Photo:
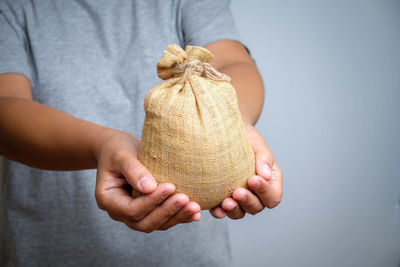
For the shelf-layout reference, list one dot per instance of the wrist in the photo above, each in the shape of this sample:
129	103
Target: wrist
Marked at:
108	139
99	139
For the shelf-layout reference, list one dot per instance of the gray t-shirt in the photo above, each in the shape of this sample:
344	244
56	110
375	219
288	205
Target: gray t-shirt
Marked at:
96	60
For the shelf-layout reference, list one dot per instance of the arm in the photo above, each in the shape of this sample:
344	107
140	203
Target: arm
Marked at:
40	136
232	59
244	74
46	138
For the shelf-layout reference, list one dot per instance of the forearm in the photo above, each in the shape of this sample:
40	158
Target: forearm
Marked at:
42	137
231	58
249	89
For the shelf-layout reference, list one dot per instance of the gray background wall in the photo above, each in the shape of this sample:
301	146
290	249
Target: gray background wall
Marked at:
331	117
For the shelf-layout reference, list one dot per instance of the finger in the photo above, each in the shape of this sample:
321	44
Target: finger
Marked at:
184	215
107	181
145	203
163	213
218	212
277	173
117	200
135	172
232	208
195	217
264	157
269	192
249	202
115	217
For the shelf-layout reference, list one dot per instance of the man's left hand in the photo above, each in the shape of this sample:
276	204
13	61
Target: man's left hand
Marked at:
265	186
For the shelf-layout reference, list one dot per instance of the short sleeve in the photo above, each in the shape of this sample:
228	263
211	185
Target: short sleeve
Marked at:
207	21
14	56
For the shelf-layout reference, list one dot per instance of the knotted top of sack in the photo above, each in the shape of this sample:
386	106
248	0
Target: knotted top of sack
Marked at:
194	61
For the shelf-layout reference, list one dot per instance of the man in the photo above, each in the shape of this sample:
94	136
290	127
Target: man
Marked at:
72	83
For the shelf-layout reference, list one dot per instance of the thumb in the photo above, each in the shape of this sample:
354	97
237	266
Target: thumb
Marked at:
136	174
264	163
264	157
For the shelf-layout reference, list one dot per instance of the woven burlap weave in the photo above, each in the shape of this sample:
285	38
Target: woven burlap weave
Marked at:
193	134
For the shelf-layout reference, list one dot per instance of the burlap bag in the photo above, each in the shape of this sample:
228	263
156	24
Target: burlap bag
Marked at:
193	134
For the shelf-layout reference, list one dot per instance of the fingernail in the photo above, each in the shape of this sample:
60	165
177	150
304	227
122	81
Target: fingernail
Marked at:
196	207
146	184
196	216
230	206
266	170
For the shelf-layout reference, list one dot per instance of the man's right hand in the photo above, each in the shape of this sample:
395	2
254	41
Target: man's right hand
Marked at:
45	138
157	208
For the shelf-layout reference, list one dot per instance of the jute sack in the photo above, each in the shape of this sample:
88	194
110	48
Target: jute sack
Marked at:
193	134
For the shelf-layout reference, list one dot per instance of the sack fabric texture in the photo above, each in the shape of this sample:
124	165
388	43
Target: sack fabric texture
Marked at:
193	134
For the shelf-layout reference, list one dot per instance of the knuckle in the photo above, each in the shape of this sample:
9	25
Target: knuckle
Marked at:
144	227
182	217
255	211
187	214
148	231
157	199
260	210
181	199
134	215
169	212
132	226
261	191
237	214
100	205
112	216
252	212
175	205
99	200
